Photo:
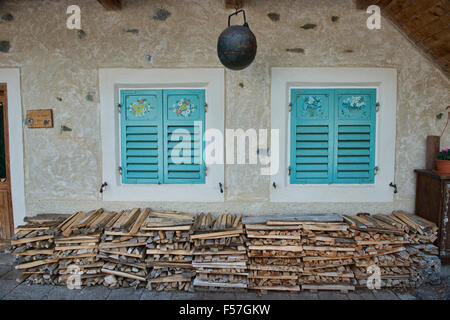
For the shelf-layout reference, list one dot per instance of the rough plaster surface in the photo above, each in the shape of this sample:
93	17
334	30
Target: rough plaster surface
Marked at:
63	170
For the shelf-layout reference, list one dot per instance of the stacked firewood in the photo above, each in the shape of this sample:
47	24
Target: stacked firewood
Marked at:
220	259
165	250
77	248
169	252
33	246
328	251
397	247
122	249
274	251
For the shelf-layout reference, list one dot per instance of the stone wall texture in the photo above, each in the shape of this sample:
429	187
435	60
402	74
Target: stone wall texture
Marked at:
59	70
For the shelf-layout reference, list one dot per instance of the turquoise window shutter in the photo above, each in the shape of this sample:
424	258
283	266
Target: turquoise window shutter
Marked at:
312	132
355	126
184	123
141	116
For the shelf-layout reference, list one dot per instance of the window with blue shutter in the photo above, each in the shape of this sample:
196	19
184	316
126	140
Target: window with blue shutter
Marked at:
312	126
161	136
184	120
355	126
333	135
141	136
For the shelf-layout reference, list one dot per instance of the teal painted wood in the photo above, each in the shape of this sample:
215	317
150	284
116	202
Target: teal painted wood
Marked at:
355	126
141	133
184	125
312	132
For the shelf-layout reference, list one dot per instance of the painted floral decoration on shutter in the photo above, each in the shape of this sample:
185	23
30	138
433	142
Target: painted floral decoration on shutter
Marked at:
354	107
140	108
184	108
312	108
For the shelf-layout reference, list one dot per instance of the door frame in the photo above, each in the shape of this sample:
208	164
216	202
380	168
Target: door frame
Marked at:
11	76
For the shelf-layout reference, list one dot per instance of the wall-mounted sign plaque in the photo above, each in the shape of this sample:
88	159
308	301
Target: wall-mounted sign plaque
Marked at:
40	118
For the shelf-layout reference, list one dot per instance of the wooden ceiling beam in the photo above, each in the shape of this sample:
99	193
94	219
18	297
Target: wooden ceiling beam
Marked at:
111	4
232	4
424	22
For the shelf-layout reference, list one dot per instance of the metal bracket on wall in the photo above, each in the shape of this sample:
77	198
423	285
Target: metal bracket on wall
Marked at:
290	107
274	185
221	187
120	170
289	171
119	107
103	187
378	106
206	107
392	185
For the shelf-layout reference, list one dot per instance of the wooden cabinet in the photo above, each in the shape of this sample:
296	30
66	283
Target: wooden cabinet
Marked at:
433	203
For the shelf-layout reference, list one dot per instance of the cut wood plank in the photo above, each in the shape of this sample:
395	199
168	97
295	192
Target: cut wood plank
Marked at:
34	252
167	228
200	283
35	263
139	221
26	240
274	288
168	279
257	235
277	248
123	274
174	252
215	235
338	287
107	245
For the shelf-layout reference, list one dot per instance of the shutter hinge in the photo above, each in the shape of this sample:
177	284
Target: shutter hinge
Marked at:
375	171
206	107
378	106
289	171
290	107
206	171
119	107
120	170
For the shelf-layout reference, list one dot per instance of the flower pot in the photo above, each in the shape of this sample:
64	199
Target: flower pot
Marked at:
443	166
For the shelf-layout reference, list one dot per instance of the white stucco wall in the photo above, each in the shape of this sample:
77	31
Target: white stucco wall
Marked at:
63	170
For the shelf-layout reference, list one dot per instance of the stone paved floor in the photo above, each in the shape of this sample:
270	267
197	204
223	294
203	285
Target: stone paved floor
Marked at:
10	289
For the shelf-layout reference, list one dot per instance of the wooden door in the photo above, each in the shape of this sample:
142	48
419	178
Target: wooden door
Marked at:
6	214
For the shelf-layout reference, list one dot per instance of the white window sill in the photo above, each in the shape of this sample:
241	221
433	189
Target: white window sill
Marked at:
331	193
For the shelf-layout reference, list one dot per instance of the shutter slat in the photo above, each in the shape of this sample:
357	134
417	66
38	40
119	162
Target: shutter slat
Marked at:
147	175
312	137
142	145
151	160
142	137
142	167
347	159
312	159
142	152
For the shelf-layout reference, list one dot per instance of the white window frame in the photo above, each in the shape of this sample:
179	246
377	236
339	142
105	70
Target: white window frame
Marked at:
111	81
11	76
382	79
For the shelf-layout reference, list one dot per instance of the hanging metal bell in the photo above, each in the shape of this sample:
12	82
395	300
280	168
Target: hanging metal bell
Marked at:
237	45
